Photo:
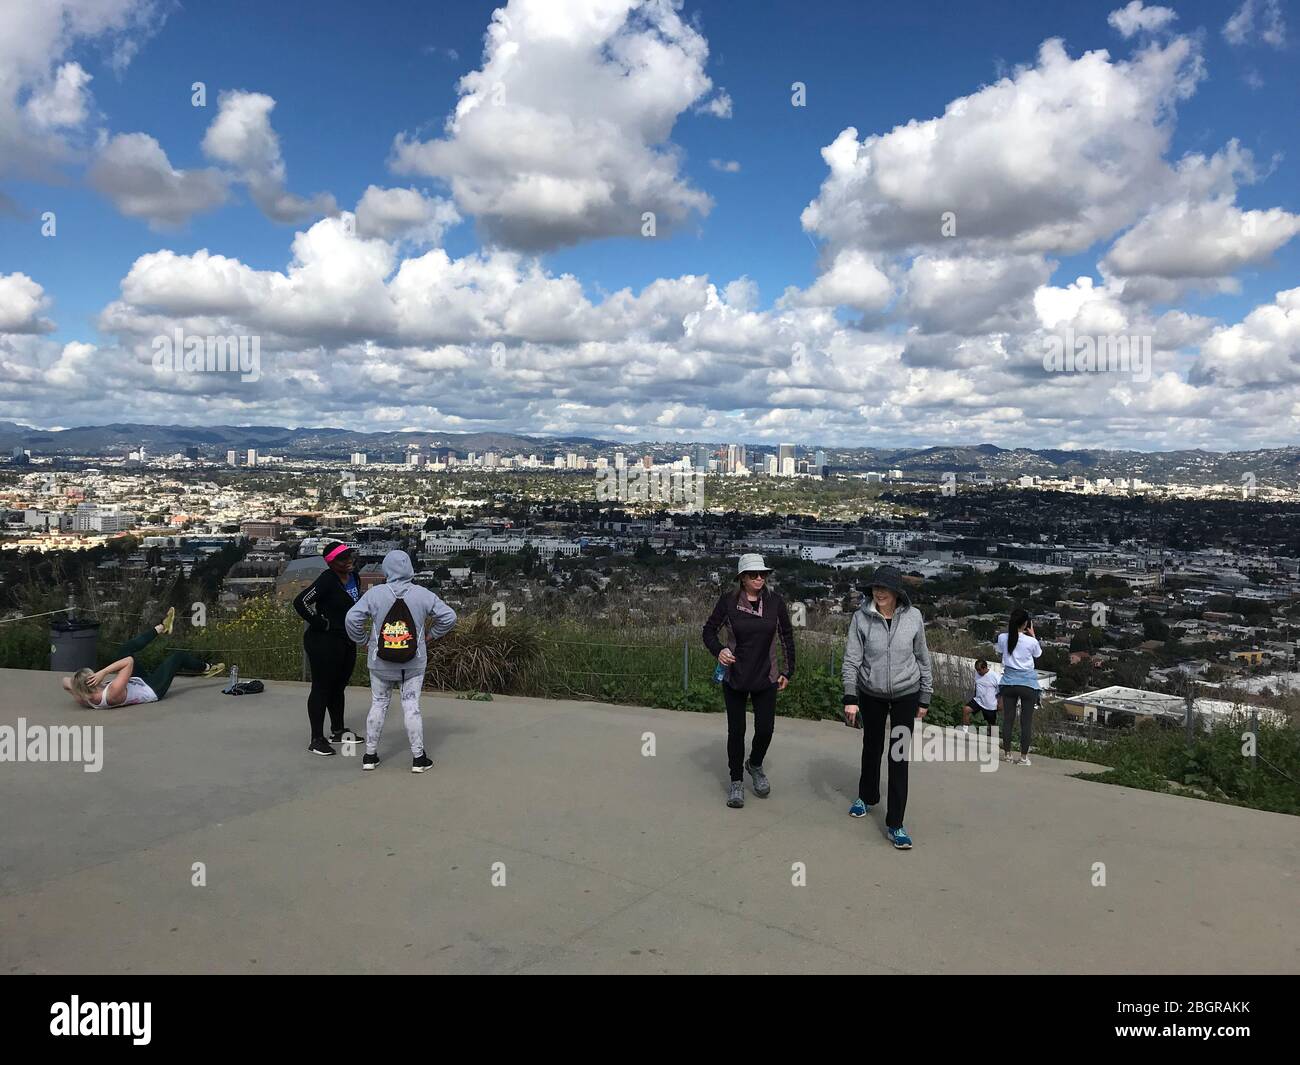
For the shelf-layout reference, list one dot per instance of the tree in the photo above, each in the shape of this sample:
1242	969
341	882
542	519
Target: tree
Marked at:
1088	638
1153	628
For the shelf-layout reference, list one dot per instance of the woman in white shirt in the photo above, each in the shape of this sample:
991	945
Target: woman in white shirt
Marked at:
118	685
1018	647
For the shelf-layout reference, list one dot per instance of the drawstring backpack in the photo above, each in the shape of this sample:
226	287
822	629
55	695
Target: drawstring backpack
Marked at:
397	634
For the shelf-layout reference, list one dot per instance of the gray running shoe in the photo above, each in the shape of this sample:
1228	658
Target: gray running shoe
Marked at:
736	794
762	788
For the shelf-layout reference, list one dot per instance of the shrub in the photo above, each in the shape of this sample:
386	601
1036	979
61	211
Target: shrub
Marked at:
479	656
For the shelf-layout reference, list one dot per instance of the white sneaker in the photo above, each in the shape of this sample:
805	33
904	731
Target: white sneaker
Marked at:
1006	756
1024	760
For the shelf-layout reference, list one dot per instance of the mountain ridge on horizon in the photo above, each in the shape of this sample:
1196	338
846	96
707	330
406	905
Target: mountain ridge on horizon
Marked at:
11	429
1268	466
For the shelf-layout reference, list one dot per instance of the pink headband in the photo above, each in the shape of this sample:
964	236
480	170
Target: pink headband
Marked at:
342	549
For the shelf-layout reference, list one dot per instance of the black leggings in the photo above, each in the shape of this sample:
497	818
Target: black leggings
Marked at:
764	723
332	660
1027	697
900	713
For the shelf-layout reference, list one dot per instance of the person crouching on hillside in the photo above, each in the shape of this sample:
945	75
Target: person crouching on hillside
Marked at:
399	612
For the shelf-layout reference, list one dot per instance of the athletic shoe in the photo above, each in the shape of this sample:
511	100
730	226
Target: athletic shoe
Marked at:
1006	756
736	794
899	838
342	734
419	765
169	619
762	788
858	809
322	748
1024	760
370	761
213	669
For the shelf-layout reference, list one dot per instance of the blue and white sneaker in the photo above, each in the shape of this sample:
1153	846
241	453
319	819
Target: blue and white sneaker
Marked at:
858	809
899	838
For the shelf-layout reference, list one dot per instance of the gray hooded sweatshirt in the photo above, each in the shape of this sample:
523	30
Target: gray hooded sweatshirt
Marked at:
375	604
887	660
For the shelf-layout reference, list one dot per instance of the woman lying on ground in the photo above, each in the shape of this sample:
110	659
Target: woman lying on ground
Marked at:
118	685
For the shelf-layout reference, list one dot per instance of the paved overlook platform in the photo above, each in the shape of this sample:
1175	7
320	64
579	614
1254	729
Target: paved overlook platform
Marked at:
614	862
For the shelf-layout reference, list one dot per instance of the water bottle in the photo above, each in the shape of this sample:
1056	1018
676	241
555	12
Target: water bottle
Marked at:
234	679
720	674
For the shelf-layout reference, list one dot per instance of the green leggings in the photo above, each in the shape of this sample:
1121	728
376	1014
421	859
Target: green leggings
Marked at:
161	678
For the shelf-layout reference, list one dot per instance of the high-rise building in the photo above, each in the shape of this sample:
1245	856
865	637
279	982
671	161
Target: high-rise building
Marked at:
358	458
192	453
772	467
571	461
252	456
232	458
786	452
702	456
620	460
787	466
819	459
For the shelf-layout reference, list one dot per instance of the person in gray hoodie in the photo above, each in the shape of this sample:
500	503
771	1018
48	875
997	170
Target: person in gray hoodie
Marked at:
425	607
886	675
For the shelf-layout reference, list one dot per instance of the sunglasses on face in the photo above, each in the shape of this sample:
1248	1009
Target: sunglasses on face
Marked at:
755	576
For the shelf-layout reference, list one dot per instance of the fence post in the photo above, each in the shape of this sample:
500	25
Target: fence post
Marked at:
686	663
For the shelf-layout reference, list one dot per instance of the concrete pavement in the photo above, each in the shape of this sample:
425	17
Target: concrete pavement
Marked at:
604	859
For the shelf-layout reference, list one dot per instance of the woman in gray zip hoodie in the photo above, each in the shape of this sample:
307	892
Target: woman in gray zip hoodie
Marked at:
887	676
374	605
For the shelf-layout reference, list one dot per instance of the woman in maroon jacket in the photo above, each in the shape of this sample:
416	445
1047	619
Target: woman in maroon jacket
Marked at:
756	618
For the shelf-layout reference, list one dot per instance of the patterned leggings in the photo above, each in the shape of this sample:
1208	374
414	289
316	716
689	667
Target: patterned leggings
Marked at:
381	694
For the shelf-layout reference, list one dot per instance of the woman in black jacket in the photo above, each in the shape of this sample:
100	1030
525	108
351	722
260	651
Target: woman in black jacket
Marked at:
756	618
331	653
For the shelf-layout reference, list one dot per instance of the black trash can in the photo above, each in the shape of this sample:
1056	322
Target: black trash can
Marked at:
74	645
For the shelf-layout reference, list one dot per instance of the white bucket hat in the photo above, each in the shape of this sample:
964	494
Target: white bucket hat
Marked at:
752	564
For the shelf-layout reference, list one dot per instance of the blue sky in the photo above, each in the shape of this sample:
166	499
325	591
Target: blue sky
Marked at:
349	78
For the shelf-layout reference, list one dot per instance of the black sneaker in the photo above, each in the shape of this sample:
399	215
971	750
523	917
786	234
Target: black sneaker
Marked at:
322	748
419	765
342	734
370	761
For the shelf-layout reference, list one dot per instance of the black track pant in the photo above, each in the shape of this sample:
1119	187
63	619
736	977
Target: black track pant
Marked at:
1027	697
900	713
764	723
332	660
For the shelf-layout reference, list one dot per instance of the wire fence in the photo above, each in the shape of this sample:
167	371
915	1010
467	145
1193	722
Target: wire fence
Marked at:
665	665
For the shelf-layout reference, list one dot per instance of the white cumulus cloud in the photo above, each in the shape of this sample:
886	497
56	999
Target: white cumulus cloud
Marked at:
563	134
